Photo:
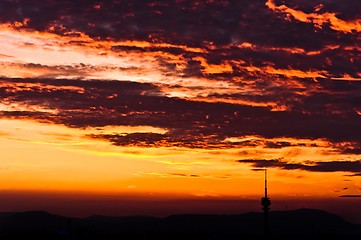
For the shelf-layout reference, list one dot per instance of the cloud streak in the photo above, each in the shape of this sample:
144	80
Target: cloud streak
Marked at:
332	166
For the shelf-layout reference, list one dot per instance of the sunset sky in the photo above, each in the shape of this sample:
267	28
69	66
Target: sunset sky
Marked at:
130	103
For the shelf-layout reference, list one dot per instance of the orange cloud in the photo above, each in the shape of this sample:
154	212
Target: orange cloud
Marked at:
317	19
288	72
347	77
213	68
18	86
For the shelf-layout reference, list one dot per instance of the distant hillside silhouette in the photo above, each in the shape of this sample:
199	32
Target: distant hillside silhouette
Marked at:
296	224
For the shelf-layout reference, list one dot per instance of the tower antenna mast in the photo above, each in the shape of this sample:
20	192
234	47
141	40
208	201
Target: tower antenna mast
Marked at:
266	203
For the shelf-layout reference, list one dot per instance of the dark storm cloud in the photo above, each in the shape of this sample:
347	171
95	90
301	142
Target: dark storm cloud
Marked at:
352	151
218	27
331	166
90	103
336	97
278	58
193	23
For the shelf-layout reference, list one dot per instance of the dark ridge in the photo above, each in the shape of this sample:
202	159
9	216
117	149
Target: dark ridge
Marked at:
296	224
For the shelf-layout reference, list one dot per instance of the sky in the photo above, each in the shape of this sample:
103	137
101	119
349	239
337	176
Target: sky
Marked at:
160	107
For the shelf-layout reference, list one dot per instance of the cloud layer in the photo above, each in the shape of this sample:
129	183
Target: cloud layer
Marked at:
353	167
208	72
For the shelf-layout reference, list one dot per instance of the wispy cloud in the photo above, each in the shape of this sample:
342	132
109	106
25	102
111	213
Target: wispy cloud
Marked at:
332	166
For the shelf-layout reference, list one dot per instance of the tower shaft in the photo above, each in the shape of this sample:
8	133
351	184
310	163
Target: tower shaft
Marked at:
266	203
265	183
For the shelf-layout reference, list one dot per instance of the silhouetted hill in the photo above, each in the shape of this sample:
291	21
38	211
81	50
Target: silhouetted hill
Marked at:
35	223
297	224
309	221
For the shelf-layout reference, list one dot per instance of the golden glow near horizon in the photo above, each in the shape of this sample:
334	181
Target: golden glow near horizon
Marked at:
50	141
40	156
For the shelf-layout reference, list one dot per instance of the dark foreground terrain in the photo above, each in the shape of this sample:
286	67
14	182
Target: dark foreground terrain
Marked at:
297	224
